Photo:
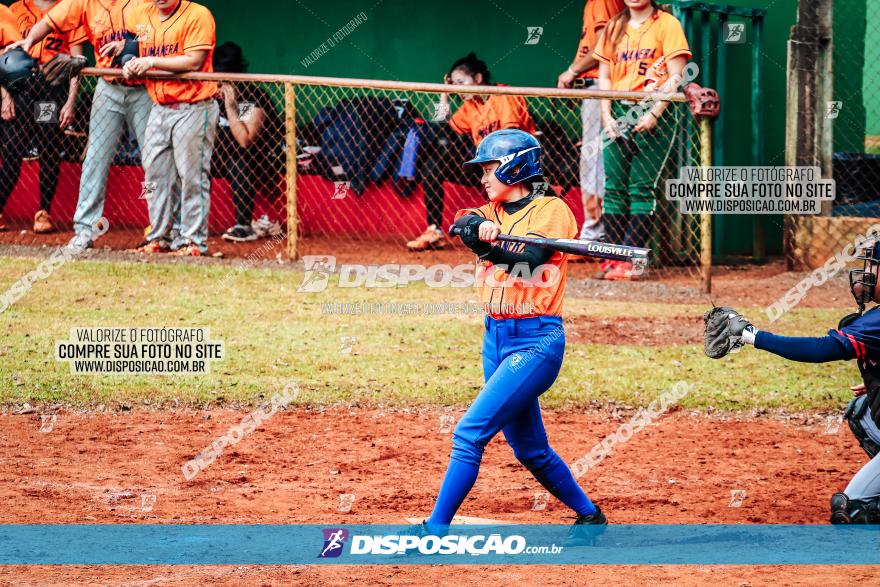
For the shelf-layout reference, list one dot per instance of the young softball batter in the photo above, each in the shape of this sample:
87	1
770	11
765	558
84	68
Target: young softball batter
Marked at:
857	336
639	50
524	340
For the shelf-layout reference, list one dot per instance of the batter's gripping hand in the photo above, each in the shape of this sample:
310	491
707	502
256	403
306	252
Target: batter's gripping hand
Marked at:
467	228
62	68
723	333
704	102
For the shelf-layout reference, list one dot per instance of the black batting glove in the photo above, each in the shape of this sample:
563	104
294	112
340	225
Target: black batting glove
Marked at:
468	226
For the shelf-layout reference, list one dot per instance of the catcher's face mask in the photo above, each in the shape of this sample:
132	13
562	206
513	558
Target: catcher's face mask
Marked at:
863	282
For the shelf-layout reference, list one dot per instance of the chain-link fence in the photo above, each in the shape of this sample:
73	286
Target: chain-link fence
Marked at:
847	123
375	165
63	172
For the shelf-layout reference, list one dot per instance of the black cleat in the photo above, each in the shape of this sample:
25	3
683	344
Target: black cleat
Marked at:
839	509
845	510
581	534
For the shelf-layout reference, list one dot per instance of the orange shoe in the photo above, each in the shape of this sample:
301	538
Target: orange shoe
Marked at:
432	238
43	223
621	271
151	247
604	268
188	251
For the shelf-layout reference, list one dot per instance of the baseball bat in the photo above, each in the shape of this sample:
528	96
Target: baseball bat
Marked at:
583	248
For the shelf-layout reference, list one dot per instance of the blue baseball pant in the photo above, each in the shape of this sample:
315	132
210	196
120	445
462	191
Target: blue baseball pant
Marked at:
521	359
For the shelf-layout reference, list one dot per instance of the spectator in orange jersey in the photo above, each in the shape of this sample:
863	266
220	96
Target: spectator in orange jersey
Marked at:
476	118
37	115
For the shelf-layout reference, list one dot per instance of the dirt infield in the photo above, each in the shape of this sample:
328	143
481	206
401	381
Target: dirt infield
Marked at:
125	467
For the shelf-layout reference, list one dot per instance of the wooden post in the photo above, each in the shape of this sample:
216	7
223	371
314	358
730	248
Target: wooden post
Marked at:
807	132
706	217
290	175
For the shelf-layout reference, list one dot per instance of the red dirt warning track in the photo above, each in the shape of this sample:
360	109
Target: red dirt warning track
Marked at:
106	468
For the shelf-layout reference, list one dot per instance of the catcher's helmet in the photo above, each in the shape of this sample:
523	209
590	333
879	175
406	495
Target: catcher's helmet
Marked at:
16	66
518	152
865	278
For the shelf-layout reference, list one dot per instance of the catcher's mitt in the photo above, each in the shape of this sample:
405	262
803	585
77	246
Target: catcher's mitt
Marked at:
702	101
724	327
62	68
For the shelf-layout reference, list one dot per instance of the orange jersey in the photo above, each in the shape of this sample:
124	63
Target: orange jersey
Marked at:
27	14
103	21
190	28
638	62
506	295
478	117
9	32
597	13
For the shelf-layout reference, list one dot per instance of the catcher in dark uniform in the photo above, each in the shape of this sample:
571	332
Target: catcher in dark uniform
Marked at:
856	337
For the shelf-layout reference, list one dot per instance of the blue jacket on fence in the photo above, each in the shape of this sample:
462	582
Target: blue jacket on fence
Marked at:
352	133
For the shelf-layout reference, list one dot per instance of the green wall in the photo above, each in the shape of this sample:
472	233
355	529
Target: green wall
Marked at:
872	57
853	85
405	40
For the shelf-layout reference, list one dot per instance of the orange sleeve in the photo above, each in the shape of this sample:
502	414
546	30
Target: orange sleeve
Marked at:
598	52
9	32
200	34
553	220
515	114
672	37
597	13
65	16
483	211
583	44
460	121
78	37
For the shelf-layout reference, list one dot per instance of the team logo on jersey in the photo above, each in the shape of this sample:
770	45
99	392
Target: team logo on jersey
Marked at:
334	540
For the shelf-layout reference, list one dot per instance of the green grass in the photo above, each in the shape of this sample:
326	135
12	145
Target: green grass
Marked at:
274	335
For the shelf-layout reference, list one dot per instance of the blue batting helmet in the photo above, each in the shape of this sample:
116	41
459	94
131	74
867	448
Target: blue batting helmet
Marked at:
518	153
